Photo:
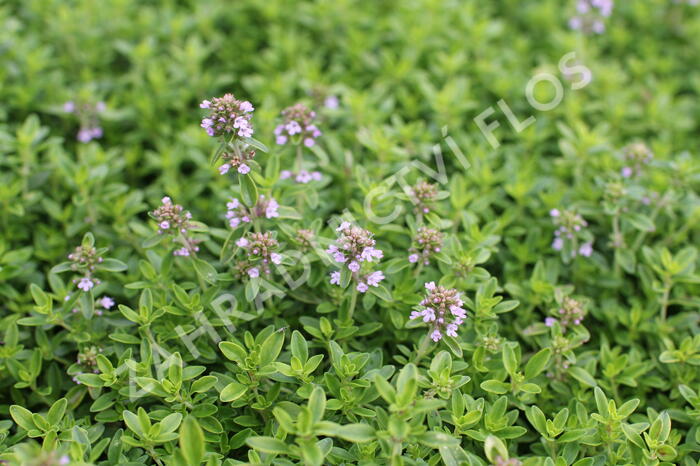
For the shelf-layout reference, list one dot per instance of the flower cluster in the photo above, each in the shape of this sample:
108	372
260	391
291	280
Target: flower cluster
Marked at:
88	114
491	343
570	228
106	303
353	247
298	125
302	177
570	313
424	194
174	221
427	242
87	362
442	309
84	259
238	213
305	238
590	15
636	156
228	116
261	251
237	160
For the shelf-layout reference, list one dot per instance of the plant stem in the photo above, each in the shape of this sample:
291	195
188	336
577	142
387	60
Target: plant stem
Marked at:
422	349
299	162
351	307
668	284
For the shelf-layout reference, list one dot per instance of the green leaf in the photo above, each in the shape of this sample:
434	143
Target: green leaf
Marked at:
255	143
192	441
56	412
356	433
300	348
437	439
203	384
22	417
317	403
170	423
640	221
249	192
537	363
267	445
232	392
494	386
205	271
582	376
510	360
132	422
113	265
271	348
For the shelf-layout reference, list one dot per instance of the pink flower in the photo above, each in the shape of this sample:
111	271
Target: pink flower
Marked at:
276	258
586	250
451	330
309	142
554	213
331	102
281	139
335	278
374	278
362	287
430	286
303	177
205	104
106	302
293	128
550	321
164	224
242	242
85	284
246	106
184	252
224	169
254	272
413	258
243	169
354	266
557	244
436	335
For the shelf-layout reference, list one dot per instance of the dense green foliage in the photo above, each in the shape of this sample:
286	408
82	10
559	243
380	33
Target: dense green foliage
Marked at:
572	242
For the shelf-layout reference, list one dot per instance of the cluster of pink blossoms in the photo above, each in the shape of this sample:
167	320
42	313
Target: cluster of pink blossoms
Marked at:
298	125
636	156
238	213
228	116
88	114
261	251
424	194
570	313
85	259
303	177
570	227
442	309
427	242
174	221
590	15
236	160
353	247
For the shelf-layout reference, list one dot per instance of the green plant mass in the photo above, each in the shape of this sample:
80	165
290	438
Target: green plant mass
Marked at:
346	232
